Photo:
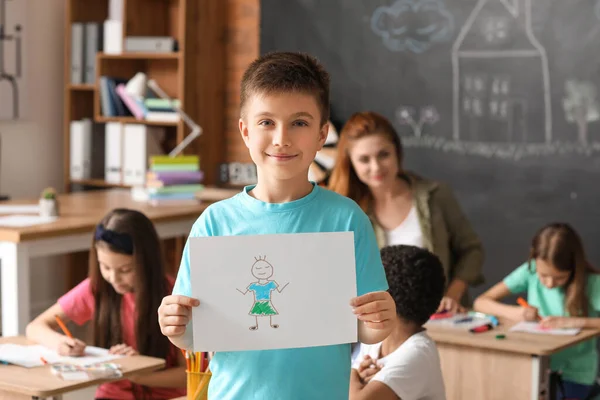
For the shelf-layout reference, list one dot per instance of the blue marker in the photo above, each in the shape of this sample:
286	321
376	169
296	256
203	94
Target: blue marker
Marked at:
462	320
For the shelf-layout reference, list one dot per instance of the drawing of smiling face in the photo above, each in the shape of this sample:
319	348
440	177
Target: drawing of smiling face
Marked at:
262	269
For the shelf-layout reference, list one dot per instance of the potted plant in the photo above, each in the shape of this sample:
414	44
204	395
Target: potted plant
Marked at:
48	203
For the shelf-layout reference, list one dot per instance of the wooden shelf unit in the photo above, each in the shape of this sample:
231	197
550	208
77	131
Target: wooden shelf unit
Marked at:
194	74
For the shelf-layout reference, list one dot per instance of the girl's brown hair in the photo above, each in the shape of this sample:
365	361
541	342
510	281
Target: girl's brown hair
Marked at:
135	234
343	178
559	245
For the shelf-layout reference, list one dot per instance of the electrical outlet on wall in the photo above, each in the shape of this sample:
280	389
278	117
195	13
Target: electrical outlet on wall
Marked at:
236	173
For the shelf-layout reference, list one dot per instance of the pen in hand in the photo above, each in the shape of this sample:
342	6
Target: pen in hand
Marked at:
72	346
523	303
62	326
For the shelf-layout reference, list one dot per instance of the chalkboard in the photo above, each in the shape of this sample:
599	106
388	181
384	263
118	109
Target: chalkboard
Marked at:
497	98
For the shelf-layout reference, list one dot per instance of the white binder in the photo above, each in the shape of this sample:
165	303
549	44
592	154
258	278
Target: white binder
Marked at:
113	36
80	149
93	44
77	52
140	142
113	152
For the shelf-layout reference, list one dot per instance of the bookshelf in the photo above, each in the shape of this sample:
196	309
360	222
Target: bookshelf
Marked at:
194	73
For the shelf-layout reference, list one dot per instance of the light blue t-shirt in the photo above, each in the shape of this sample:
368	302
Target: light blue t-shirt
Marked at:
262	291
302	373
578	363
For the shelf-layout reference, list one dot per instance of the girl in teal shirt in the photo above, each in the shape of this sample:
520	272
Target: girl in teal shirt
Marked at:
563	289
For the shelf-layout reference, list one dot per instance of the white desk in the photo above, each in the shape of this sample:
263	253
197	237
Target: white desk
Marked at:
79	214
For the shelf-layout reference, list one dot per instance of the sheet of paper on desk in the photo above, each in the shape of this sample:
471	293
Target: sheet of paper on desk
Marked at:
534	327
261	292
30	356
24	220
19	209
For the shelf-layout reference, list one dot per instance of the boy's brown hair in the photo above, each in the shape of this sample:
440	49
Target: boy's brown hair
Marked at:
287	72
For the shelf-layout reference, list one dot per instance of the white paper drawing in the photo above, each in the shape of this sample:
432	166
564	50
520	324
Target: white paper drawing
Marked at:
262	288
500	105
304	287
535	327
12	90
581	106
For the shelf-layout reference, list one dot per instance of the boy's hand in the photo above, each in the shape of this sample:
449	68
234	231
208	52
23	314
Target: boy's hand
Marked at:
376	309
174	314
71	347
450	305
123	349
367	369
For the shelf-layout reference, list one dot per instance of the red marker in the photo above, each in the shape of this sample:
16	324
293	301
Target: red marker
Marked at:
482	328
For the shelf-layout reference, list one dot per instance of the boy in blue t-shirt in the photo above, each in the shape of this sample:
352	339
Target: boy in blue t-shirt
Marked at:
284	113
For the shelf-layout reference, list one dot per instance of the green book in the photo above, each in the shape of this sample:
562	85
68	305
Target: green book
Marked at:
174	167
176	189
174	160
161	103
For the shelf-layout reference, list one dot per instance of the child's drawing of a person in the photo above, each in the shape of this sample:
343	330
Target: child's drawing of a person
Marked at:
262	307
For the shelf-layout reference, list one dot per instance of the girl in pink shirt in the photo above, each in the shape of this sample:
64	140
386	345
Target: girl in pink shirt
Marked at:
126	284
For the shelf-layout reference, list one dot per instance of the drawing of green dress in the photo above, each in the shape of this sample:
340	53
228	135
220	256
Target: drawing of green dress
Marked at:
262	299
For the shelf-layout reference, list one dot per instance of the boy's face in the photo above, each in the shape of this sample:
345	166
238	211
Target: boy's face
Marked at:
283	133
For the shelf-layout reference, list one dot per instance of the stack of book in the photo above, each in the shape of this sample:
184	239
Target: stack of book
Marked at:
172	179
123	98
161	109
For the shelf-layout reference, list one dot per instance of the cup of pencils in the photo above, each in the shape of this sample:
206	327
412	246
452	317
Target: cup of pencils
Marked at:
198	375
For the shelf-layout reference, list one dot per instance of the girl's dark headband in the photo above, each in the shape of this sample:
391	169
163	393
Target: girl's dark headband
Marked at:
121	241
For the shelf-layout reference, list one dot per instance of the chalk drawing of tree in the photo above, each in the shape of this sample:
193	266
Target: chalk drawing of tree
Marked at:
581	106
427	115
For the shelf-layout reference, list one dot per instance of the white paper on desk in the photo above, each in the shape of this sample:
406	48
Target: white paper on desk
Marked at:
25	220
30	355
19	209
317	275
534	327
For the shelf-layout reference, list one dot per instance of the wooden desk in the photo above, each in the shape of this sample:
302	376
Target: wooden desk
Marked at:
479	366
18	383
79	214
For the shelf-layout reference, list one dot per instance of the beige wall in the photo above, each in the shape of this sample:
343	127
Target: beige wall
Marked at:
32	150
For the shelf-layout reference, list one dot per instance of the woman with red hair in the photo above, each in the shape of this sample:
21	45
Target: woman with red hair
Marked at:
404	207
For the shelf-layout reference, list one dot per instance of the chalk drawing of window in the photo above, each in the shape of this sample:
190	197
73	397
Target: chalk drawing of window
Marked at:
475	88
499	91
495	30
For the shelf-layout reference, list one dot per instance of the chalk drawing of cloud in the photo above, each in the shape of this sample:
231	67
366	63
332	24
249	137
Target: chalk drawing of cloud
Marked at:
413	25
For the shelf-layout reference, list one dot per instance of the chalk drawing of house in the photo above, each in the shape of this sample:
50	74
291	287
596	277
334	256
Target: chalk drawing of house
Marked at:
501	83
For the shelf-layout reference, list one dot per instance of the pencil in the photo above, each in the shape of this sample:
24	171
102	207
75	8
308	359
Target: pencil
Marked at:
187	359
63	326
